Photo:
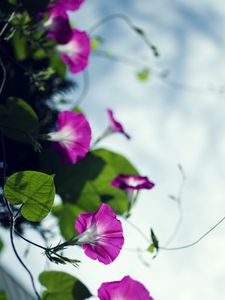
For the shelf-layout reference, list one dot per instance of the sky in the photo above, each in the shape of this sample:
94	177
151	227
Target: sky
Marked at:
174	121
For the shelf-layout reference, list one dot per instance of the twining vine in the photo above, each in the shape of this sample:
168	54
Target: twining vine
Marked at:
54	149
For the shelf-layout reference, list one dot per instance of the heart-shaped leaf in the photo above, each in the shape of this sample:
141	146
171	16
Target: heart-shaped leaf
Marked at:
62	286
34	190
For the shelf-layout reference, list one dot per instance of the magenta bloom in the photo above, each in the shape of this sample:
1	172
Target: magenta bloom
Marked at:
125	289
100	234
76	52
130	182
115	125
72	136
64	5
58	26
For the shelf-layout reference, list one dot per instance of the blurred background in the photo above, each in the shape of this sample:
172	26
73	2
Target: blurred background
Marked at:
175	118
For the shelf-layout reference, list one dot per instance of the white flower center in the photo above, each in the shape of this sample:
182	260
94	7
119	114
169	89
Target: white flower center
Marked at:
89	236
65	135
132	182
69	49
48	23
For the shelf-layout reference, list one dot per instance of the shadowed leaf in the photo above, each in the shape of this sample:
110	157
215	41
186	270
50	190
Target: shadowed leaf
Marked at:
19	121
62	286
34	190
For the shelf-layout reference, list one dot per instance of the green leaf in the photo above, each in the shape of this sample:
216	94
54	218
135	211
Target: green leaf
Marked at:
39	54
20	46
39	78
96	42
87	184
151	248
1	245
45	74
155	240
19	121
62	286
35	190
14	2
143	75
78	110
67	215
58	65
3	295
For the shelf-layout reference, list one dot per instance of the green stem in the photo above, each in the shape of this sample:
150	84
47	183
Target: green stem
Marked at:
132	26
197	241
29	241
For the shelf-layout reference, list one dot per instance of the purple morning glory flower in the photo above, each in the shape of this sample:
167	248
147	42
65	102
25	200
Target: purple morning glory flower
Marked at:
58	26
131	183
72	136
100	234
125	289
75	53
64	5
116	126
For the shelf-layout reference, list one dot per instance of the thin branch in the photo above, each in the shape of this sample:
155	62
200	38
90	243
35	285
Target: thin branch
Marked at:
7	23
85	88
119	58
4	75
138	230
180	247
12	221
137	30
191	88
197	241
4	159
160	74
177	226
17	214
178	200
19	258
29	241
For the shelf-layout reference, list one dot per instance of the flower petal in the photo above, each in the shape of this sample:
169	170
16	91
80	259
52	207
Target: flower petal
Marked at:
65	5
125	289
130	182
72	136
104	232
58	27
76	52
115	125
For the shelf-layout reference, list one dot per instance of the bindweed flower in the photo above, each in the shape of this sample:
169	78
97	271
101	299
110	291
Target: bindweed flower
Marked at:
58	26
116	126
125	289
131	182
64	5
72	136
100	234
76	52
